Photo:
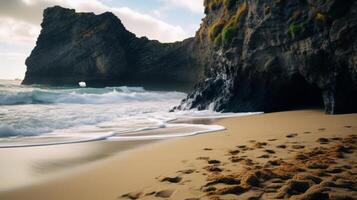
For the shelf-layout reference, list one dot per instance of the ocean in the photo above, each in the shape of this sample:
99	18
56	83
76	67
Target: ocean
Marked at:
41	115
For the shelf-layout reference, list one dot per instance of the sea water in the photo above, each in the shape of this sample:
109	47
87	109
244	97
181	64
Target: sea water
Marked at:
40	115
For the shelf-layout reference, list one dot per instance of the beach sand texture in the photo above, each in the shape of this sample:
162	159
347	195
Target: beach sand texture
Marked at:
287	155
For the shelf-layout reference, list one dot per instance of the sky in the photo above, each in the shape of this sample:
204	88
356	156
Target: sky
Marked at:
163	20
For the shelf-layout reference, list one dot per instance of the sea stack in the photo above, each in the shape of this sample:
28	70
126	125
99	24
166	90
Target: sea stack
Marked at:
98	49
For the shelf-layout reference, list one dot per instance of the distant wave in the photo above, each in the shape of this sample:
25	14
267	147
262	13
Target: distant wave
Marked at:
83	96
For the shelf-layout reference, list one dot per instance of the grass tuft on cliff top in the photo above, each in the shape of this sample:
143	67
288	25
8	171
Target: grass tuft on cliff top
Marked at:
222	31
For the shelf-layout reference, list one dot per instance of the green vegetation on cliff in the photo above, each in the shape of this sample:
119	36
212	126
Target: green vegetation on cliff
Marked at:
223	31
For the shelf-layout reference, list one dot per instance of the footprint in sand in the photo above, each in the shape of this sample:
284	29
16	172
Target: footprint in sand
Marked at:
132	195
233	152
186	171
207	149
269	151
150	193
213	161
175	179
291	135
165	193
276	162
211	168
243	148
336	138
297	146
323	140
260	145
282	146
202	158
264	156
235	159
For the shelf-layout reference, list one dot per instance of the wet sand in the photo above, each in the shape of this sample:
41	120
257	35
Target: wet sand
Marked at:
296	154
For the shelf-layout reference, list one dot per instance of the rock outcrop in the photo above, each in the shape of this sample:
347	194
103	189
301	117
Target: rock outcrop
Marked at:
97	49
250	55
277	55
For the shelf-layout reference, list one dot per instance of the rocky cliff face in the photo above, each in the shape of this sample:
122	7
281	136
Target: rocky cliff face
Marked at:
97	49
276	55
257	55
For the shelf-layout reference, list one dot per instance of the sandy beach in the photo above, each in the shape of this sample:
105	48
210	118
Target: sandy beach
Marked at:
297	154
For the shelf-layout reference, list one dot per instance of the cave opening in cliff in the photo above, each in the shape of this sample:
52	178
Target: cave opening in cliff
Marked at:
300	94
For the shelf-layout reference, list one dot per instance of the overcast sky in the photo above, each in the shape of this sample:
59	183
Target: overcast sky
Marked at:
164	20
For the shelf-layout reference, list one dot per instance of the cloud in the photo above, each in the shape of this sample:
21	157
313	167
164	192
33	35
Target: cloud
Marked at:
195	6
146	25
22	18
16	31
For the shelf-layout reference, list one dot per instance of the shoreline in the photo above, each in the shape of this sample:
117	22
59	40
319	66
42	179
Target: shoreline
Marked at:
140	170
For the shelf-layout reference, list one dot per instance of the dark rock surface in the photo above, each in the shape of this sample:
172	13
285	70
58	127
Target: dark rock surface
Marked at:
278	55
250	55
97	49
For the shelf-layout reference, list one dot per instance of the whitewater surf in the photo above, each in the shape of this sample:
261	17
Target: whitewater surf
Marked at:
38	115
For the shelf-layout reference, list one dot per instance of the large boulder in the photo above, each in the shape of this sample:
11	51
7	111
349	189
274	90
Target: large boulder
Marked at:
97	49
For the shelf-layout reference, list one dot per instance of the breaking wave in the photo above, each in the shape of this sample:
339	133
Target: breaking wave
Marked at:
83	96
31	116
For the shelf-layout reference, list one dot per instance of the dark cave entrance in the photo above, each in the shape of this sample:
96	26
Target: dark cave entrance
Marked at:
300	94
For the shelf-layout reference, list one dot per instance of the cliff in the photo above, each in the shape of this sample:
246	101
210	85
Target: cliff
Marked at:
277	55
250	55
97	49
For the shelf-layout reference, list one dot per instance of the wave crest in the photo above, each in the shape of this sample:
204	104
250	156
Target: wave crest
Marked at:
83	96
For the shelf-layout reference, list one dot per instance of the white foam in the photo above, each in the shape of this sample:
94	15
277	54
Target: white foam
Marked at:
71	115
83	96
205	129
82	84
